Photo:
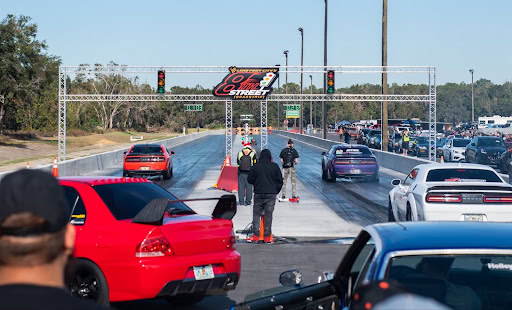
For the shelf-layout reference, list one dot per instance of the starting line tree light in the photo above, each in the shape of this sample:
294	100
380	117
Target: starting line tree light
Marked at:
64	97
193	107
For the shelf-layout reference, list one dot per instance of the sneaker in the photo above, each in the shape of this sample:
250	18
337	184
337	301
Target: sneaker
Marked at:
253	238
241	203
248	203
283	197
269	239
294	197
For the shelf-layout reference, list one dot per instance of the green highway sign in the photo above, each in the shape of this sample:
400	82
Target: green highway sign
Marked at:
196	107
292	110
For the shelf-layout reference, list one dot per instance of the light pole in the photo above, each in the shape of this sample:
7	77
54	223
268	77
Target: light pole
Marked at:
324	103
286	74
384	104
311	103
472	97
278	103
301	78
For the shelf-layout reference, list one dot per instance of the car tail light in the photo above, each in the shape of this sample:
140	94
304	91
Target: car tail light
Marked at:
368	162
444	198
342	162
502	199
157	159
154	246
232	241
132	159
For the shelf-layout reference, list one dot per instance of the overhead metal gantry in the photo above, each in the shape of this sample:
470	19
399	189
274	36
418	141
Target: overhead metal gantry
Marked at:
65	71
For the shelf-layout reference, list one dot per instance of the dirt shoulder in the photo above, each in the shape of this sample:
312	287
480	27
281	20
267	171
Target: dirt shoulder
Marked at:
16	153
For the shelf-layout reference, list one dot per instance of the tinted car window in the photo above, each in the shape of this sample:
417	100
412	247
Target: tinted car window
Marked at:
374	133
461	142
462	175
76	205
459	281
422	140
146	149
125	200
493	142
349	151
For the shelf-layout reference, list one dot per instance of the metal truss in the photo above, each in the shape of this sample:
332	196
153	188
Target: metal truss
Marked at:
432	120
65	71
276	97
224	69
264	127
61	154
229	128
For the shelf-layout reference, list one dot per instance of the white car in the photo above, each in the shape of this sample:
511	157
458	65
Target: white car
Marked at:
455	149
451	192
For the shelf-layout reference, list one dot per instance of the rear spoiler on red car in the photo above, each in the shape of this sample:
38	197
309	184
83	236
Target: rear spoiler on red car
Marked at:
153	213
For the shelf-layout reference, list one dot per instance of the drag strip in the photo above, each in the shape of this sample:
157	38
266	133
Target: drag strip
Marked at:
356	202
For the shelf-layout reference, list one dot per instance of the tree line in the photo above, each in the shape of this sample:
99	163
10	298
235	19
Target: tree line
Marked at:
29	84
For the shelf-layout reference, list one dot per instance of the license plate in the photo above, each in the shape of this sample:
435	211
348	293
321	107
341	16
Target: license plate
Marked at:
473	217
204	272
144	168
355	171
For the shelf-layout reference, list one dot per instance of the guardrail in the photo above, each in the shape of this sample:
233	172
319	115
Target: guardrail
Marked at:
396	162
91	163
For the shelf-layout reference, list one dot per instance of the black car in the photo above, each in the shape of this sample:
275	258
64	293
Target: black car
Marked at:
420	147
485	150
439	146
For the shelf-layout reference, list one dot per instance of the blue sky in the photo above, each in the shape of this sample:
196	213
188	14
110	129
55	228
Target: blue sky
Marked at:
452	35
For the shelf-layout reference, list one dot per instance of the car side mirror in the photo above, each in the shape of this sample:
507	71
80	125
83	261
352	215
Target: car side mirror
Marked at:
172	152
125	153
324	153
396	182
291	278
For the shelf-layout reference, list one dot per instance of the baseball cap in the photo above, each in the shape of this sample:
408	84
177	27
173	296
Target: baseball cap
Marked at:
36	192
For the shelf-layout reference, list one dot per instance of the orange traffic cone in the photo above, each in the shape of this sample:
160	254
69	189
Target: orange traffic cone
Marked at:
55	170
442	159
28	165
227	161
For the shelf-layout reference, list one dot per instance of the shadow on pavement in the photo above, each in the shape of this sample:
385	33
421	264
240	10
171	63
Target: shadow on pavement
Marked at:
211	302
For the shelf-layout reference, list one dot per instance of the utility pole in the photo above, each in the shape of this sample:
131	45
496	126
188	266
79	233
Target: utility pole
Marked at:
301	79
472	97
311	104
384	104
324	103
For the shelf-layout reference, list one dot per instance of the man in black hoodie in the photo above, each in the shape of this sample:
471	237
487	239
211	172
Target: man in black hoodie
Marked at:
267	180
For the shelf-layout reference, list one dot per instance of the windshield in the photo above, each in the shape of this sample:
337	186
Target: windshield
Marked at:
462	175
147	150
461	142
459	281
125	200
493	142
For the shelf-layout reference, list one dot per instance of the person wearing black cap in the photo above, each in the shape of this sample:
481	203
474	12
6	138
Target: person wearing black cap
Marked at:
36	244
289	158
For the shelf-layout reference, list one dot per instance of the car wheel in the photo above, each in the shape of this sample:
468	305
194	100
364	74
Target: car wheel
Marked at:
88	282
167	174
172	171
391	216
186	299
330	177
125	174
324	175
408	213
374	178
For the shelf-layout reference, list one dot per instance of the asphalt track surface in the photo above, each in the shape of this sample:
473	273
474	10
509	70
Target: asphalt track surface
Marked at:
356	202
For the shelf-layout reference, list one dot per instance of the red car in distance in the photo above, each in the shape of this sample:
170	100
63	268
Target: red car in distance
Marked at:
148	160
135	240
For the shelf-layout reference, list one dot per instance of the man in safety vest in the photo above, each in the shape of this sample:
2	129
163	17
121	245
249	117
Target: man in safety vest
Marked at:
405	141
246	159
